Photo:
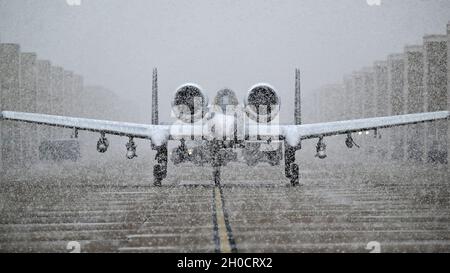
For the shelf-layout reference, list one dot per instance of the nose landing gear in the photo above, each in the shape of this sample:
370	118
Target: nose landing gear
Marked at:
217	160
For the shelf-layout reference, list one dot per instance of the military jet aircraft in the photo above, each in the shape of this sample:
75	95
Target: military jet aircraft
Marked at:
224	126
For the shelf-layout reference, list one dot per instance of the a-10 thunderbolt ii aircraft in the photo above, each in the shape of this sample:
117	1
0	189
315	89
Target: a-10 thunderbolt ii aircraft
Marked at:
218	129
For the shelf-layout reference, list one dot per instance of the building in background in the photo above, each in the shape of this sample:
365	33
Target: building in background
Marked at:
349	93
383	103
10	81
448	87
28	84
396	68
415	101
28	87
435	84
43	96
414	81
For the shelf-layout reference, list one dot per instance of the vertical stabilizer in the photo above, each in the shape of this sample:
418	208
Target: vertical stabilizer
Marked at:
155	118
298	104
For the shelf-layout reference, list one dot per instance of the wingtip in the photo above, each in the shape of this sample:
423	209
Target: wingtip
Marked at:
2	114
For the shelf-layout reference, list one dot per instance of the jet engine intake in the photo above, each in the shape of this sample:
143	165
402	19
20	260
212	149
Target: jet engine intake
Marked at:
262	103
190	103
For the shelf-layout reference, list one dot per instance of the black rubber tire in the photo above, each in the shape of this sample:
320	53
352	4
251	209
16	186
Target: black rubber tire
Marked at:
157	182
294	175
158	175
216	175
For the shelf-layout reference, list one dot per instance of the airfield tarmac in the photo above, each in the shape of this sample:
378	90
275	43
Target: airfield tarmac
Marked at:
113	207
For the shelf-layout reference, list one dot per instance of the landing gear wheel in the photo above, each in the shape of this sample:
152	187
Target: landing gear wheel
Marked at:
294	175
216	174
289	159
157	182
158	174
160	168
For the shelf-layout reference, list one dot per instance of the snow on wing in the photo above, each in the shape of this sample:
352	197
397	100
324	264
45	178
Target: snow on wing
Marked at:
294	133
159	134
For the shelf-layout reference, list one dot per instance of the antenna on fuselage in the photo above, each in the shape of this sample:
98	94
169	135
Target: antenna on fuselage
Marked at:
298	99
155	118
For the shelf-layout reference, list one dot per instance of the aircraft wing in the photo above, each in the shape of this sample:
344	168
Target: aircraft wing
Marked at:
294	133
159	134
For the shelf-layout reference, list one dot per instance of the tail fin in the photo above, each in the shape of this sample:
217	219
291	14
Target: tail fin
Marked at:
298	99
155	118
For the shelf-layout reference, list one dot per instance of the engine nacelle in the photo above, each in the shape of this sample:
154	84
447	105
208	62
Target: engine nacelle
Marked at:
262	103
190	103
225	101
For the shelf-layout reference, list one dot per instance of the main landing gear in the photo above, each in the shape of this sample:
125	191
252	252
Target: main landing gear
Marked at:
160	168
291	169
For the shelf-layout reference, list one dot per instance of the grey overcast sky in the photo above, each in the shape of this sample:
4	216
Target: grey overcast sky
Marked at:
116	43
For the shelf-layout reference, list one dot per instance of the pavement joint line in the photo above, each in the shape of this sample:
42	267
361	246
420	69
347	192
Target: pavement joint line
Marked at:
351	244
136	236
168	248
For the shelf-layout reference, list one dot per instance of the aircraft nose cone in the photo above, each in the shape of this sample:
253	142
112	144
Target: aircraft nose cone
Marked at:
221	125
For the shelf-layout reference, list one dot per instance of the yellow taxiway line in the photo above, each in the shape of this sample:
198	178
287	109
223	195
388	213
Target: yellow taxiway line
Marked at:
225	246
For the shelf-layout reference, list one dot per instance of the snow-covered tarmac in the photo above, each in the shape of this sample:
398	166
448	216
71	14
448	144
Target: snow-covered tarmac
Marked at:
113	207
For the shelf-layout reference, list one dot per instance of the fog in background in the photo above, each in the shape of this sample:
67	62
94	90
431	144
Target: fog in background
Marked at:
235	44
